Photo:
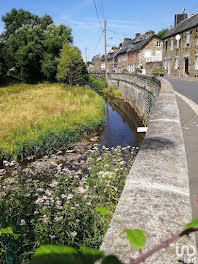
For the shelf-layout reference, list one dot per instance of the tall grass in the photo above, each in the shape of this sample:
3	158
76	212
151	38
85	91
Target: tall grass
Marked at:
36	119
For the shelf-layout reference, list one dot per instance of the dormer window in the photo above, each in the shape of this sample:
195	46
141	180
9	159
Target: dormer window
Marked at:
187	38
158	43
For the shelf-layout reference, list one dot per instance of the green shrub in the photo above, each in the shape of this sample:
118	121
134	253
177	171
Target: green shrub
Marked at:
115	92
158	72
98	84
138	70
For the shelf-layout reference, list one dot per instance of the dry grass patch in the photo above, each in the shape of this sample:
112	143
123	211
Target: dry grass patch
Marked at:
28	113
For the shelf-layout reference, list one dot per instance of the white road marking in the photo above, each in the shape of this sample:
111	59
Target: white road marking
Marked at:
192	104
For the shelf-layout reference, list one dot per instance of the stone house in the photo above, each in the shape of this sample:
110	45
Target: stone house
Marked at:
121	58
180	50
143	52
110	60
96	62
102	65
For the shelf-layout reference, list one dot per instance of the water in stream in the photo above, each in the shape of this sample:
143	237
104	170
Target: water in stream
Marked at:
120	127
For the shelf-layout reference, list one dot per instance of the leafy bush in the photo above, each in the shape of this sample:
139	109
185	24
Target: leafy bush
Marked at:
116	92
62	209
98	84
138	70
158	72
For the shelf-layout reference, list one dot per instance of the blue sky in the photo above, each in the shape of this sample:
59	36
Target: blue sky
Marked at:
124	18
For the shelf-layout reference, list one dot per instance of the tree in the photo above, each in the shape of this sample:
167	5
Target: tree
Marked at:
162	32
54	38
32	44
71	68
2	65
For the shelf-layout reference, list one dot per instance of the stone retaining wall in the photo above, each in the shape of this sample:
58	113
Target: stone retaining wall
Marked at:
138	90
156	196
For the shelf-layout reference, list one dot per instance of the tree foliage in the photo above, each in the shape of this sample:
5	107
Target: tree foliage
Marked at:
163	32
31	45
71	68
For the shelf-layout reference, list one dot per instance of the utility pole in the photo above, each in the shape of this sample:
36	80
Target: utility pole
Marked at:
86	55
105	38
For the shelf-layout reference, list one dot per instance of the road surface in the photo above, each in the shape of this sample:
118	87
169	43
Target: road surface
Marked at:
187	99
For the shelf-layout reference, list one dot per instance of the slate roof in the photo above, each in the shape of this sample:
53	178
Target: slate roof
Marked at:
103	58
111	55
133	45
187	23
137	45
125	47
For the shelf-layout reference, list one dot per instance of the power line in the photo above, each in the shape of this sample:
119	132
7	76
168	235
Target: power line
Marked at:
98	41
101	8
119	33
98	15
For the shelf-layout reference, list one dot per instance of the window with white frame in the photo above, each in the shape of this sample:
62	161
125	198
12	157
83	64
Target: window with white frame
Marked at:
165	64
176	63
158	43
187	38
196	62
171	44
177	44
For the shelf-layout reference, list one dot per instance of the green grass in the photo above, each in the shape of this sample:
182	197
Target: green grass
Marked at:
37	119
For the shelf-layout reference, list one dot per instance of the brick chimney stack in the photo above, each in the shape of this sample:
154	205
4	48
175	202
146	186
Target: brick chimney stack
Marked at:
126	40
148	33
137	37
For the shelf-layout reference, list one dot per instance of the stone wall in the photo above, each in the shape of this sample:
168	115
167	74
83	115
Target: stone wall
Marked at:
153	65
156	196
138	90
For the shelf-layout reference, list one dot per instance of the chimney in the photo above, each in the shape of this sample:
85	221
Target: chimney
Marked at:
126	40
137	37
148	33
180	17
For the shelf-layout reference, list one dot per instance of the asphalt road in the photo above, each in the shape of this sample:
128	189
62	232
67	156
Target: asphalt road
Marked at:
187	88
189	124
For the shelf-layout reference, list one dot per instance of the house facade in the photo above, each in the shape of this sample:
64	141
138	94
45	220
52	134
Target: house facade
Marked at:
180	49
110	60
96	62
143	52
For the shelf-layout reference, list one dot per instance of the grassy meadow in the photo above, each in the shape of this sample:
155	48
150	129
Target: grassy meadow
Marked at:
36	119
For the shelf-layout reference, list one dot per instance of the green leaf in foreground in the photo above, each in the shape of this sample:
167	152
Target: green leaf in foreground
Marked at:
51	254
91	251
111	260
103	211
136	237
7	230
192	224
53	249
